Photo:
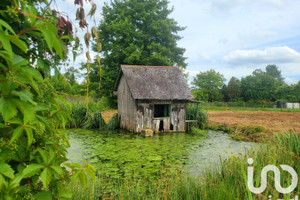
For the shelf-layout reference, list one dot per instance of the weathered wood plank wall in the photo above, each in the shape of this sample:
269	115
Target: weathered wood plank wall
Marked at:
145	116
126	106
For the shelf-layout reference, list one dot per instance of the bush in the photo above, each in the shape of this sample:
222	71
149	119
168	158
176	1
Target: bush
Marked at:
93	107
196	113
106	103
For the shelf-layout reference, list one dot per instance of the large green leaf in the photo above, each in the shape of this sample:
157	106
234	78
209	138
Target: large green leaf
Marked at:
16	181
34	73
83	179
57	169
19	61
15	121
31	170
51	38
29	135
7	26
19	43
6	43
46	177
68	194
43	195
4	154
91	174
48	38
6	170
44	155
27	110
25	95
2	182
17	133
57	46
7	108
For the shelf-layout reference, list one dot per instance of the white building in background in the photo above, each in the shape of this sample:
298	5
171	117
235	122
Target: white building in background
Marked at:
292	105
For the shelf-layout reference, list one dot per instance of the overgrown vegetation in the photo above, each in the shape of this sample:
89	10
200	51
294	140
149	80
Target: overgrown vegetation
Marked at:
226	180
194	112
92	120
246	133
34	40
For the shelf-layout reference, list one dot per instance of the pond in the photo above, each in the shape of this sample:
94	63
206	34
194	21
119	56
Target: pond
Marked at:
120	154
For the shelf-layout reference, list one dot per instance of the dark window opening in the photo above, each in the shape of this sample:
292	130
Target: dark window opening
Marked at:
162	110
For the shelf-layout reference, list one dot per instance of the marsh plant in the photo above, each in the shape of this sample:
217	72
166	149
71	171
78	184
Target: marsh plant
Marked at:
91	120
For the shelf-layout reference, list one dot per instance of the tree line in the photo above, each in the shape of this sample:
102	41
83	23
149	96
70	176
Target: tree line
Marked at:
267	85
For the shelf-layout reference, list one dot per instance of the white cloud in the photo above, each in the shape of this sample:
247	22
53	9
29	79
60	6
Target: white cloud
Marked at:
270	55
277	2
204	56
227	4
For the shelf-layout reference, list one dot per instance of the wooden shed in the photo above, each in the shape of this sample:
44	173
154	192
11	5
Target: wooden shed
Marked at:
152	97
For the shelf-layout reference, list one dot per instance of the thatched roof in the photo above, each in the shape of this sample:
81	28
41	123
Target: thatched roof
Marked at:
155	82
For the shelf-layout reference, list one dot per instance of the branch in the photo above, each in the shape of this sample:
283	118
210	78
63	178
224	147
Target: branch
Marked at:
26	30
30	15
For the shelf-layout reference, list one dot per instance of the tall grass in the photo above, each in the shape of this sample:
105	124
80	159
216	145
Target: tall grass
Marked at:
228	180
94	119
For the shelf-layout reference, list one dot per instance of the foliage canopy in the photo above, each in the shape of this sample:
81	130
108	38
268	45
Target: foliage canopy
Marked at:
32	152
209	84
139	33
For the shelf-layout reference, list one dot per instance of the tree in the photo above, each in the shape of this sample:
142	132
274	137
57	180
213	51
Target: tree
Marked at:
259	86
210	83
297	91
32	150
138	33
71	74
233	90
272	70
265	85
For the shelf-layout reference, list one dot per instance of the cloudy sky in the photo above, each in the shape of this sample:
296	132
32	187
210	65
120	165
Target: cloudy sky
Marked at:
234	37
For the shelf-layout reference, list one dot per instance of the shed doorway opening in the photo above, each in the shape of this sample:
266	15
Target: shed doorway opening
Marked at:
162	110
161	125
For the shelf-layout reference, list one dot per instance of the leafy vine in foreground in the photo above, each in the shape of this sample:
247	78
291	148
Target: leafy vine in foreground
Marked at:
34	39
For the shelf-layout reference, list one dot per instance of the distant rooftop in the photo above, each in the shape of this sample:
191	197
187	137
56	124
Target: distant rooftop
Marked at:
155	82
